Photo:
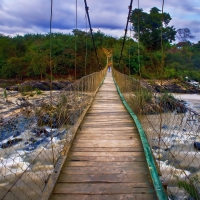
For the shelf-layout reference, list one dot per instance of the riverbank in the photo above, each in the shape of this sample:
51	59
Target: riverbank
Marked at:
20	96
17	97
172	86
17	103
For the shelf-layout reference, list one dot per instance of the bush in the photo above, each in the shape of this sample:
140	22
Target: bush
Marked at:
38	91
143	96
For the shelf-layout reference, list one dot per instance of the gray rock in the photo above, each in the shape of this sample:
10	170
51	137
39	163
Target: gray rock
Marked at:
197	145
11	143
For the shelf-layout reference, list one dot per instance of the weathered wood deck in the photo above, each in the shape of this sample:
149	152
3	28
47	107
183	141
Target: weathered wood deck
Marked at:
106	160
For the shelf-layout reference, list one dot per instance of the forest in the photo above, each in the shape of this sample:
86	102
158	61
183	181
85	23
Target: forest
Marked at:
28	56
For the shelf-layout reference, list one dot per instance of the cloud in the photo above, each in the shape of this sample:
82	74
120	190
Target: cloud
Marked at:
19	16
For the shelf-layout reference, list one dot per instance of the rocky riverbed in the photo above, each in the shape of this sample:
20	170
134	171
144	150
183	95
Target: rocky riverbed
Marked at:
40	85
172	86
25	146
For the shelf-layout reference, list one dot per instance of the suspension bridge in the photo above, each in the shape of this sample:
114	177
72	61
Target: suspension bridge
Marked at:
106	160
112	142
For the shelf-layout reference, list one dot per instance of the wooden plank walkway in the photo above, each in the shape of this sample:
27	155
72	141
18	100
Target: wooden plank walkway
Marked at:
106	161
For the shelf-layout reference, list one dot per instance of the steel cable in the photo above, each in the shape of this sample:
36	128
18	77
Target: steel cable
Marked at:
86	9
128	18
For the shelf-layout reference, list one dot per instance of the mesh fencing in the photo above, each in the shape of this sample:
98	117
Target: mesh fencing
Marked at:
33	133
172	130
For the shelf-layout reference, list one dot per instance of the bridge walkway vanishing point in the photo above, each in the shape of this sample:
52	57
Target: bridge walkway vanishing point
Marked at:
106	160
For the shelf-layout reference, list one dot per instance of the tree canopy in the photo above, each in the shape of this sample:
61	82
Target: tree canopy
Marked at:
147	27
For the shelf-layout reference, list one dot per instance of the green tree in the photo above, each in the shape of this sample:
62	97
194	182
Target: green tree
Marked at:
14	68
39	63
196	60
196	47
148	28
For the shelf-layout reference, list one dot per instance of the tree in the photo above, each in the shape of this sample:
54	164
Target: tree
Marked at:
196	60
196	47
148	27
39	63
14	68
184	35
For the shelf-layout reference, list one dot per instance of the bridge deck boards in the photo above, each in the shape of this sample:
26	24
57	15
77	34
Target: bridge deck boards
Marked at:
106	160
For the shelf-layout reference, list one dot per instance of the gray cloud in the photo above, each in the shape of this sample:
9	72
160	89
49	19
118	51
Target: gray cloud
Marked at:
19	16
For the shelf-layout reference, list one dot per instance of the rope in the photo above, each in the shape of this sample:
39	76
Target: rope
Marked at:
76	44
128	19
50	57
160	112
139	40
86	9
86	44
130	53
51	16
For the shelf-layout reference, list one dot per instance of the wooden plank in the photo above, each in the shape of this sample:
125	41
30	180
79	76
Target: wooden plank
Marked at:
106	159
110	124
102	137
104	197
102	131
99	164
108	120
104	170
106	137
108	128
105	101
103	119
101	178
108	154
106	143
103	188
103	111
110	113
108	134
96	149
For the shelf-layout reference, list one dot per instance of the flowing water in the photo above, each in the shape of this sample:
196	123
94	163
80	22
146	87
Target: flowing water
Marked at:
192	100
175	153
27	148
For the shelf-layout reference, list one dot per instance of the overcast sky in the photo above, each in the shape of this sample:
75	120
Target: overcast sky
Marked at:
109	16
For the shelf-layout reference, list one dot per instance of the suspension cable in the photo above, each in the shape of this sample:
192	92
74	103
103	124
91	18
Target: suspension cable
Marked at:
128	19
139	40
86	46
161	40
86	9
160	112
50	53
130	50
76	44
51	76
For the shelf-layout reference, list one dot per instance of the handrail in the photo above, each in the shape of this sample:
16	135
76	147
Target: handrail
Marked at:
172	131
31	151
147	150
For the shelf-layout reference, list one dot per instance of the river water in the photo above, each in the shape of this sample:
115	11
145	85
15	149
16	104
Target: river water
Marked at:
28	152
193	100
175	154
